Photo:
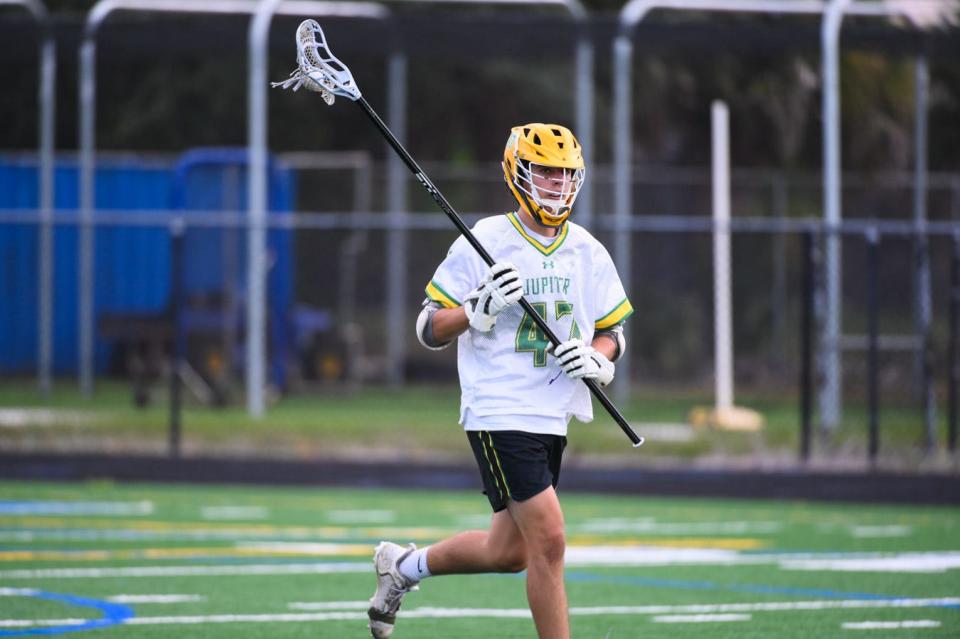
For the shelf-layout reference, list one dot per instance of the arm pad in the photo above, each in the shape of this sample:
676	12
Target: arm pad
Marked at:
615	333
425	326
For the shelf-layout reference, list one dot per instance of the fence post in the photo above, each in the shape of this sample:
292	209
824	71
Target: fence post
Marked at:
873	240
806	343
953	366
177	342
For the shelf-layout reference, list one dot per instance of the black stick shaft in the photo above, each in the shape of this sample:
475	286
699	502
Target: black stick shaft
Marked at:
475	243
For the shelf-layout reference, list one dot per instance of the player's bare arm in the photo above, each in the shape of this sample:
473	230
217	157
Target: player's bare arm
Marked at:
449	324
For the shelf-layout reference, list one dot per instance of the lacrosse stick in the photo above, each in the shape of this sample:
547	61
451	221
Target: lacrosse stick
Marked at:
319	70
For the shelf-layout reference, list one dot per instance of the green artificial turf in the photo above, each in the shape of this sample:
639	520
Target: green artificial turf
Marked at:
299	564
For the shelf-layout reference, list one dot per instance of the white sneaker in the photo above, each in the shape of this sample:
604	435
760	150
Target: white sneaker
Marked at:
391	587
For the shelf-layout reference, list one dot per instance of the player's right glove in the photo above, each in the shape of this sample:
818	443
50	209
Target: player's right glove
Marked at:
500	288
582	360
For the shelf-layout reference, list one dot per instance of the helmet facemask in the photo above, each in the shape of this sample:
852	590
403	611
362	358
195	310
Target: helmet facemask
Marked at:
552	190
543	167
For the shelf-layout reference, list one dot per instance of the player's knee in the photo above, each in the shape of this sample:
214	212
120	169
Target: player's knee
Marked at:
512	561
550	546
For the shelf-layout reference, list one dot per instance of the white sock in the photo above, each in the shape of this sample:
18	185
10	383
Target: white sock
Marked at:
415	565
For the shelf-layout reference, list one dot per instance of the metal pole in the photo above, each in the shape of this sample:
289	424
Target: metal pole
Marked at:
257	213
722	307
584	119
46	102
953	363
806	343
778	294
830	394
873	345
177	229
88	89
922	296
397	257
622	131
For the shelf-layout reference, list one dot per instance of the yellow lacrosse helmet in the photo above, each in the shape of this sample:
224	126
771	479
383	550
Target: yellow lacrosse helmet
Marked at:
530	159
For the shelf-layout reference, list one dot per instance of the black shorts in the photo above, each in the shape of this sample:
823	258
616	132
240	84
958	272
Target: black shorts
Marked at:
516	465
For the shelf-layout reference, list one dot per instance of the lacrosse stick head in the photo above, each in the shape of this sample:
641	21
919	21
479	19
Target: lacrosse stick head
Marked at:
317	68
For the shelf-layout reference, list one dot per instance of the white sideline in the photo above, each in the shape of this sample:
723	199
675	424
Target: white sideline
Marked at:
504	613
891	625
305	547
771	606
231	513
361	516
328	605
879	532
29	623
903	562
700	618
158	599
577	556
650	526
188	571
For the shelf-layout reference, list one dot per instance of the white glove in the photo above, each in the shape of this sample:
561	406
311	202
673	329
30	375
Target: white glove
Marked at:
580	360
500	288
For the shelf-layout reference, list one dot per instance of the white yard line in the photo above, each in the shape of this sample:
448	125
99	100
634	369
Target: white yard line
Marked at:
29	417
700	618
328	605
188	571
903	562
576	556
891	625
768	606
157	599
654	556
880	532
650	527
306	548
726	612
30	623
230	513
361	516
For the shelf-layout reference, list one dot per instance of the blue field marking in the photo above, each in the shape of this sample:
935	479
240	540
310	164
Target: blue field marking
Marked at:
759	589
113	614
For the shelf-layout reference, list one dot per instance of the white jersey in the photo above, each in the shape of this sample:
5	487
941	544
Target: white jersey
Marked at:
571	282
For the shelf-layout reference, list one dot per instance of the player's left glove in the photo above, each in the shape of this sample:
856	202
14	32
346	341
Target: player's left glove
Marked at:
580	360
500	288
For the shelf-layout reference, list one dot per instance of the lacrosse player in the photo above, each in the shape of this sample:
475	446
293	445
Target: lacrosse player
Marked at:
518	394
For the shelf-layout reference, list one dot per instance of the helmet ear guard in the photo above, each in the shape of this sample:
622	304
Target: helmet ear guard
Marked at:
545	145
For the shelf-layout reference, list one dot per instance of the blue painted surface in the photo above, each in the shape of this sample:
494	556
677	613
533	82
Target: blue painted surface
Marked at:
113	614
132	264
215	259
